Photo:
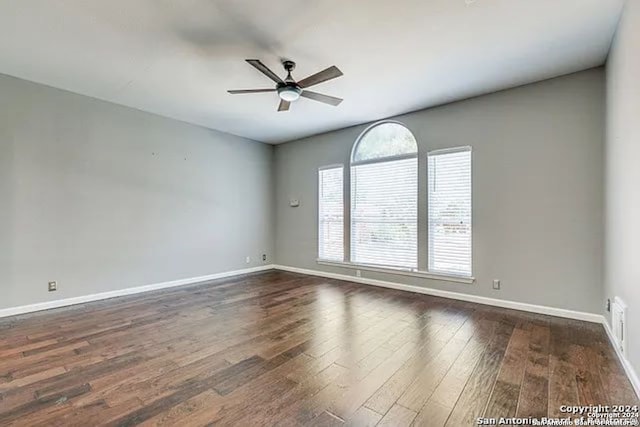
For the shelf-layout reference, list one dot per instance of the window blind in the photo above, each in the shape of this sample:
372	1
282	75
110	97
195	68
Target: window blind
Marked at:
449	213
384	213
330	214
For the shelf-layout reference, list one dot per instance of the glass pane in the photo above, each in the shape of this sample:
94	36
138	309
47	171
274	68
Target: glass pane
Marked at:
384	213
330	215
449	184
385	140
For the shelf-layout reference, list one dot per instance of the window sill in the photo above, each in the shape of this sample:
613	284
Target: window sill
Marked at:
398	271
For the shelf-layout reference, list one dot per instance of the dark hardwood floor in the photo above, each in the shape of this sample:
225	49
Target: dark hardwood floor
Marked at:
284	349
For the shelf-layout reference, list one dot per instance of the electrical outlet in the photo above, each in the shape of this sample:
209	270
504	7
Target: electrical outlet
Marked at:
53	286
358	273
264	257
496	284
247	259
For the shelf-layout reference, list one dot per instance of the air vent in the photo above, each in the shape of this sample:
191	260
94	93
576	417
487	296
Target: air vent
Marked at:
619	323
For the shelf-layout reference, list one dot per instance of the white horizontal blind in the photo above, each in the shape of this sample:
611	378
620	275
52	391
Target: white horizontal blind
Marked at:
384	213
330	214
449	183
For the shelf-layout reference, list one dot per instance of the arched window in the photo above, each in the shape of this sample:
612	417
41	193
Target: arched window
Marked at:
384	197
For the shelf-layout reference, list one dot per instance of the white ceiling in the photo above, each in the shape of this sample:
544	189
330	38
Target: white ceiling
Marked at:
177	58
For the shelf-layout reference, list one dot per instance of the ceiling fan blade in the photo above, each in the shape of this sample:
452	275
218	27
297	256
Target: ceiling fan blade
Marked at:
235	92
264	70
284	105
324	75
331	100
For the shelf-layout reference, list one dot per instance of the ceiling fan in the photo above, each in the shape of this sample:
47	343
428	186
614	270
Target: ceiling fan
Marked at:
289	90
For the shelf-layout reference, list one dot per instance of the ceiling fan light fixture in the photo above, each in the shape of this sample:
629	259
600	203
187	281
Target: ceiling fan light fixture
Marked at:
289	93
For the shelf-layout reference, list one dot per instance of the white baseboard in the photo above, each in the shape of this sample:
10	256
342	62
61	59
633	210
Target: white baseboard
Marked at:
631	373
541	309
13	311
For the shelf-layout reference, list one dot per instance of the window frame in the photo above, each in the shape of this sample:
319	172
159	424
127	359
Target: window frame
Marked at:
354	163
441	151
421	271
344	216
363	134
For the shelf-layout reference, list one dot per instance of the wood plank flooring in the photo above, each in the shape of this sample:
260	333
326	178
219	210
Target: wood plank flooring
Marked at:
279	348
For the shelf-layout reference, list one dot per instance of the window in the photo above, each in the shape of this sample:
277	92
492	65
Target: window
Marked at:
384	140
449	183
383	209
330	214
384	192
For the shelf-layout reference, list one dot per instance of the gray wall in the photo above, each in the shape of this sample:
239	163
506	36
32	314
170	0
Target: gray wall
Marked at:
101	197
622	261
537	189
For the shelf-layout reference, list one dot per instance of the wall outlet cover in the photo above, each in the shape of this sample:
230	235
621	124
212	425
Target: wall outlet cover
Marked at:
53	286
619	323
496	284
